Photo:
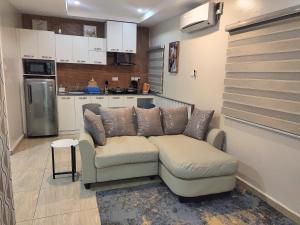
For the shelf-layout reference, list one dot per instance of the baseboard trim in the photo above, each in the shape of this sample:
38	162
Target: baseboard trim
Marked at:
270	200
12	148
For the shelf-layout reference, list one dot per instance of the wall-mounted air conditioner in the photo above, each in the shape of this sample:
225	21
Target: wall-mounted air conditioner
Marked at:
201	17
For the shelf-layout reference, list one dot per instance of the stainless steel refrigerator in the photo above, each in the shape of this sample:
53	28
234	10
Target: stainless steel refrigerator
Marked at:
40	104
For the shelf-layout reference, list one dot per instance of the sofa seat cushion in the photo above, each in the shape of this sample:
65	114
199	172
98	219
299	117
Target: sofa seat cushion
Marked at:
189	158
125	150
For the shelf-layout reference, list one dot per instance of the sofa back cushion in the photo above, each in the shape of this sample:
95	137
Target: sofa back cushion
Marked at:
118	121
198	124
94	107
174	120
93	125
148	122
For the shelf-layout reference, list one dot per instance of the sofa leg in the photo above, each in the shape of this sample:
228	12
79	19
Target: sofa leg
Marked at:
183	199
87	186
152	177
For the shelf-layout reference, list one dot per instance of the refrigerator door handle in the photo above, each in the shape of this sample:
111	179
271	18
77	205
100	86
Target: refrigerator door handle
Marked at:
29	94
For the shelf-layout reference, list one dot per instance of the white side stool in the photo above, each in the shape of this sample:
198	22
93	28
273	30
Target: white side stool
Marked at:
65	143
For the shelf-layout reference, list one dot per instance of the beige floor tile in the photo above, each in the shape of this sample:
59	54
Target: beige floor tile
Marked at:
29	222
25	205
86	217
63	199
26	159
27	180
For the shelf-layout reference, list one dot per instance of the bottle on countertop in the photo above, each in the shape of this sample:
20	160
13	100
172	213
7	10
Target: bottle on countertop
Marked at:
106	87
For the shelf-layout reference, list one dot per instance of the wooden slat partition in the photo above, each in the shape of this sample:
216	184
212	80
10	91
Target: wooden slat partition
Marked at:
262	83
156	69
162	101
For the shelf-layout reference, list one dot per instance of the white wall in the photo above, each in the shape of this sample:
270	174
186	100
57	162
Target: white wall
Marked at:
268	160
10	19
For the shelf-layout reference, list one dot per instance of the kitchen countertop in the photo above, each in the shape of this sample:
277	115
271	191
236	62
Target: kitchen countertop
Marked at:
85	94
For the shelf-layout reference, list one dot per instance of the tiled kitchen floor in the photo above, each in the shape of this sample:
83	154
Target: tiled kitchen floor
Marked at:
40	200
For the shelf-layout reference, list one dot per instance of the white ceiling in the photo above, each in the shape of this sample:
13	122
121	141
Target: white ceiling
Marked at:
154	11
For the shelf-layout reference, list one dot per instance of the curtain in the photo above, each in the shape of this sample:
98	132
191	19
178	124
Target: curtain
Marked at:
7	214
262	83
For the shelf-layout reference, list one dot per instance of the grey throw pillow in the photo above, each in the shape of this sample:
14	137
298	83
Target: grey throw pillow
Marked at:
93	125
174	120
92	107
148	122
118	121
198	124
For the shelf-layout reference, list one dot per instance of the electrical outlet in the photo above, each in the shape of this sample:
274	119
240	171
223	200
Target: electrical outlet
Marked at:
115	78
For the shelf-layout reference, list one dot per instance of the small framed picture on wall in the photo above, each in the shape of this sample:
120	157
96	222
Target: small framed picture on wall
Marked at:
173	57
89	31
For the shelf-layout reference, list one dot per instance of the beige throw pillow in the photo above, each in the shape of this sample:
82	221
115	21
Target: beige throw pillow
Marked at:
198	124
118	121
93	125
174	120
148	122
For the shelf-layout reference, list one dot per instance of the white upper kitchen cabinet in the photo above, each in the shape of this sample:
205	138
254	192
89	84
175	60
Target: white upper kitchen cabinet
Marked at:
28	43
97	44
46	44
80	49
129	37
64	48
98	58
114	35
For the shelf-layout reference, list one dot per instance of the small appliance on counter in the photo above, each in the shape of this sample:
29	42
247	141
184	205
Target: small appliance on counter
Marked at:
117	90
92	87
146	88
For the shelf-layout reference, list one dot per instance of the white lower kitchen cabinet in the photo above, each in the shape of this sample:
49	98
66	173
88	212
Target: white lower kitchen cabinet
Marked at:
79	102
70	115
102	100
66	113
116	101
130	101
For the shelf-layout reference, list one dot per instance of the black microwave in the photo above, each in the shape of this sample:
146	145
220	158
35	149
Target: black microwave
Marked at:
38	67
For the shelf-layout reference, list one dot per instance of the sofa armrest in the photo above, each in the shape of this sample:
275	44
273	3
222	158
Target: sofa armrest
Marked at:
216	138
88	153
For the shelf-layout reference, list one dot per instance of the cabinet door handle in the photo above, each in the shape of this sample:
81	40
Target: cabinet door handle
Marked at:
116	97
130	97
66	98
97	62
99	98
82	97
28	56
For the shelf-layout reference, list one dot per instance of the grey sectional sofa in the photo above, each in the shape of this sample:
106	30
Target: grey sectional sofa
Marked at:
189	167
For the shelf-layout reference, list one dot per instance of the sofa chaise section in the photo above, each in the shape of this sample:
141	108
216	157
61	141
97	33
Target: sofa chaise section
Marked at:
193	168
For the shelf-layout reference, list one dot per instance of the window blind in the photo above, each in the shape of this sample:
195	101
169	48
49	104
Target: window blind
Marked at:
262	83
156	69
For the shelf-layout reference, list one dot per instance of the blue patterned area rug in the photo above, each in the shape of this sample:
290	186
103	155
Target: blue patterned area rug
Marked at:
155	204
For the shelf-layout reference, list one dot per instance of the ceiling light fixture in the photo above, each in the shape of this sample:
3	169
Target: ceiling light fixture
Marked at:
140	10
76	2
